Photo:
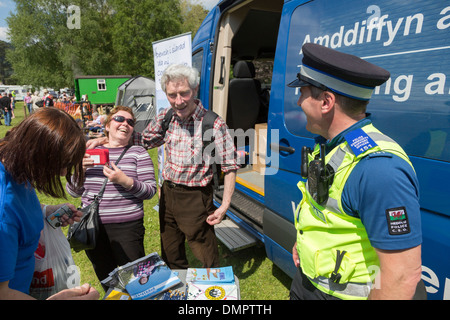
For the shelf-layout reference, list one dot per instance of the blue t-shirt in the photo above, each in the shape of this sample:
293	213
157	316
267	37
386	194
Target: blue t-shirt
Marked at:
383	191
21	223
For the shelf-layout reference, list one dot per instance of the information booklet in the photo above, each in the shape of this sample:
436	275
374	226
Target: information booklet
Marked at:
143	278
211	284
210	275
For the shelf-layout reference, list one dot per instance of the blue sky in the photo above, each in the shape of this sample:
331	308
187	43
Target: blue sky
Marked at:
6	6
208	4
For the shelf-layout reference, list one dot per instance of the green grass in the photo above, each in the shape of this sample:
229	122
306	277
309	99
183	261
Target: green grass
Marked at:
259	278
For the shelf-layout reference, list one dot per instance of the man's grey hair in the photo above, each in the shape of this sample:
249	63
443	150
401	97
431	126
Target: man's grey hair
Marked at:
175	72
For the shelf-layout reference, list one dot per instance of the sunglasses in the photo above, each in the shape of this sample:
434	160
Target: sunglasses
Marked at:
121	119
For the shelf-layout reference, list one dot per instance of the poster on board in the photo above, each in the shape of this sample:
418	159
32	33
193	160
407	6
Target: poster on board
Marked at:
173	50
177	49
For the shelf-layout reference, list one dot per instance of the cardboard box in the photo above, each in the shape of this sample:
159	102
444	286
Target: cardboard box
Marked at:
259	149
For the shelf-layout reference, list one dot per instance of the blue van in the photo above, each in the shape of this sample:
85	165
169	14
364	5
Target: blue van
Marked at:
247	51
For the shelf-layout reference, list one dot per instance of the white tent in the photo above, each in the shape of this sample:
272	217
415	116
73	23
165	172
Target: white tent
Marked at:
138	93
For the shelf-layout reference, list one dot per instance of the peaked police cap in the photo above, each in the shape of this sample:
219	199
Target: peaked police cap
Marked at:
340	72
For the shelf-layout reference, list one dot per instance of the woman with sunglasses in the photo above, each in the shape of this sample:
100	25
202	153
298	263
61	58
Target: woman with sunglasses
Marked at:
121	237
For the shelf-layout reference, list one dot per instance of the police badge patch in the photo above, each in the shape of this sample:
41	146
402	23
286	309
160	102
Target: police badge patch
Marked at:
397	221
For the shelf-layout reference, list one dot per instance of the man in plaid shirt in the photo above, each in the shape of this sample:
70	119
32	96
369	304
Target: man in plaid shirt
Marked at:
186	208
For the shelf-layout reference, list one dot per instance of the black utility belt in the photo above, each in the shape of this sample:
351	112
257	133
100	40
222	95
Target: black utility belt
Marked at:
173	185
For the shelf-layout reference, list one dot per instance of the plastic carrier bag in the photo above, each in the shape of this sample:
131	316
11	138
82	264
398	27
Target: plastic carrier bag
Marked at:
54	268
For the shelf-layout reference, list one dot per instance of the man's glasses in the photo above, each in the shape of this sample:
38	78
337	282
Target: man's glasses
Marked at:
122	119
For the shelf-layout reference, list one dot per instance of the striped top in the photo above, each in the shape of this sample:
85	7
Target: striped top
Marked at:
120	205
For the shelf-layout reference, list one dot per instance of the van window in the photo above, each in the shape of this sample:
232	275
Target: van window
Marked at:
197	59
294	117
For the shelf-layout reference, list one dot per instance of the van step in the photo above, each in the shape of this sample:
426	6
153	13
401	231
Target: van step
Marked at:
248	209
233	236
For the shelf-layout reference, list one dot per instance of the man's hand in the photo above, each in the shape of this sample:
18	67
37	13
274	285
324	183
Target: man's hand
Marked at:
91	144
217	216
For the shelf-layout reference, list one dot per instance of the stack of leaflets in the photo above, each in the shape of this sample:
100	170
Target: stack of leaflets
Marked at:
211	284
116	294
144	278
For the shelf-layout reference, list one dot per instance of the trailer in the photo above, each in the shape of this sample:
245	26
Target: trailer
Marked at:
19	91
99	90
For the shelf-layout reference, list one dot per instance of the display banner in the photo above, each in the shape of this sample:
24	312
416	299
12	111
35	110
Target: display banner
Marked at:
174	50
177	49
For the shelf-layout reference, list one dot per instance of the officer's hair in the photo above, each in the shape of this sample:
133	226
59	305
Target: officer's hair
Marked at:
349	106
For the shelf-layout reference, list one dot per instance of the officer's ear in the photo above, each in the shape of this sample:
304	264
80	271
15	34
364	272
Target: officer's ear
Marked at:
328	101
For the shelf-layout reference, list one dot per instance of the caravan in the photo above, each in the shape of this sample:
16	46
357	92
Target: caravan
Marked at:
412	107
19	91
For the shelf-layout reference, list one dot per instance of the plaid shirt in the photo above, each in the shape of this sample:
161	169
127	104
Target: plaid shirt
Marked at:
184	163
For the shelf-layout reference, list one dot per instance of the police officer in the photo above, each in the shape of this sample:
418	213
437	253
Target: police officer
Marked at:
358	225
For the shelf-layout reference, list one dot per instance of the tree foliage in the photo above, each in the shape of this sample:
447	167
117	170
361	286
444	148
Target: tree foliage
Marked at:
5	66
136	24
113	37
192	15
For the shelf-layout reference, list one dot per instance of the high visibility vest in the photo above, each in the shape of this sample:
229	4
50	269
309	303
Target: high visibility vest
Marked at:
334	248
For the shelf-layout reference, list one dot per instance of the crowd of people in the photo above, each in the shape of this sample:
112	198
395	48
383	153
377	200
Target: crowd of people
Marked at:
7	105
34	101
